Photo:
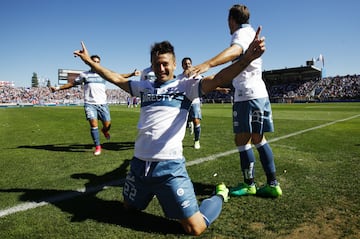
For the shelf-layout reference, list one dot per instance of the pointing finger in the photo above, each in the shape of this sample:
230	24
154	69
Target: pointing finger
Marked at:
258	31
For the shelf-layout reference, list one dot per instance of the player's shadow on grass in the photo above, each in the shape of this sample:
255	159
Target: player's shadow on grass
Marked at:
85	204
203	191
112	178
60	147
117	146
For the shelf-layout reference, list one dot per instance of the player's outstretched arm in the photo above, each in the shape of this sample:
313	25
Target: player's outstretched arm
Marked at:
105	73
227	55
226	75
134	73
62	87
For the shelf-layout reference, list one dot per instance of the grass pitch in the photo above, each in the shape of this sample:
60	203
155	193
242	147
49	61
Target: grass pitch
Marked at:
51	186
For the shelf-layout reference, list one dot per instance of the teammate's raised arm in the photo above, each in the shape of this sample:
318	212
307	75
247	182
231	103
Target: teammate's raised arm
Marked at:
226	75
105	73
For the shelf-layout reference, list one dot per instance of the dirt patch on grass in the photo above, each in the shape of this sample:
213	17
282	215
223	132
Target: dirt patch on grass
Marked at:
327	224
330	223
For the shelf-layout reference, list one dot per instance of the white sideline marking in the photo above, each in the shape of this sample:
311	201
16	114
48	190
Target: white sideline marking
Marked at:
215	156
83	191
61	197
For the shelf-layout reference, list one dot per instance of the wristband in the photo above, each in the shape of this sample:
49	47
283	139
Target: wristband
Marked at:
57	88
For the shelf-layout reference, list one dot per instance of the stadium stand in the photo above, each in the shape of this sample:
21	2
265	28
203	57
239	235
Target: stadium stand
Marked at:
13	96
339	88
286	90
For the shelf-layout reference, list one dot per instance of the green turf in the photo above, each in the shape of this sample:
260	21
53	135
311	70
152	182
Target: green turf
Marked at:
47	152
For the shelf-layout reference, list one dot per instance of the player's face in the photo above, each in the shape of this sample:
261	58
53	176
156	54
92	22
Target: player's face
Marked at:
186	65
164	66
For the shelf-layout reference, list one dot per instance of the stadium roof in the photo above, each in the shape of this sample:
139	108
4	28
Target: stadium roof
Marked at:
303	73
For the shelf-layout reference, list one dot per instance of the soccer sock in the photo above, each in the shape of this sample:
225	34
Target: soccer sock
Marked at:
247	161
211	208
95	135
267	161
197	131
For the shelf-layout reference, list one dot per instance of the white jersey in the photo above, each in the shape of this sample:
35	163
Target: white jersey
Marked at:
148	74
94	87
163	117
196	100
248	84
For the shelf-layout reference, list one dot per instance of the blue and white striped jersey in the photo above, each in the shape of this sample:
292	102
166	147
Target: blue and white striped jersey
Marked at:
94	87
163	117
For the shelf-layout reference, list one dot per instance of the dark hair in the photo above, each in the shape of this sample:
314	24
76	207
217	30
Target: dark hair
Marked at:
185	59
240	13
162	48
95	56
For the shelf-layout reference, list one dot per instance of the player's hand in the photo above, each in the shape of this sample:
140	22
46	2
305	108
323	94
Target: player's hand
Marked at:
83	53
137	72
223	90
257	46
196	70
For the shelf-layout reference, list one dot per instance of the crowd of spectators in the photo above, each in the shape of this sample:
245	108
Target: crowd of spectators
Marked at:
116	96
326	89
218	97
346	87
293	89
43	96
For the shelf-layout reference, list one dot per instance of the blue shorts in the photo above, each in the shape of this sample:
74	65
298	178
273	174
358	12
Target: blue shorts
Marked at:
167	180
195	111
100	112
253	116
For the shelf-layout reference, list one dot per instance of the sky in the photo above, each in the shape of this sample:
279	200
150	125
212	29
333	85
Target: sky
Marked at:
40	36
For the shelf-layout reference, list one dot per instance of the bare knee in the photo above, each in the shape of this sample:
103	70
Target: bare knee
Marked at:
107	125
242	139
257	138
196	122
194	225
193	230
93	123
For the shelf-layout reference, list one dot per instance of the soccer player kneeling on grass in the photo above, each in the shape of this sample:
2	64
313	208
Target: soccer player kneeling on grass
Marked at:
158	166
